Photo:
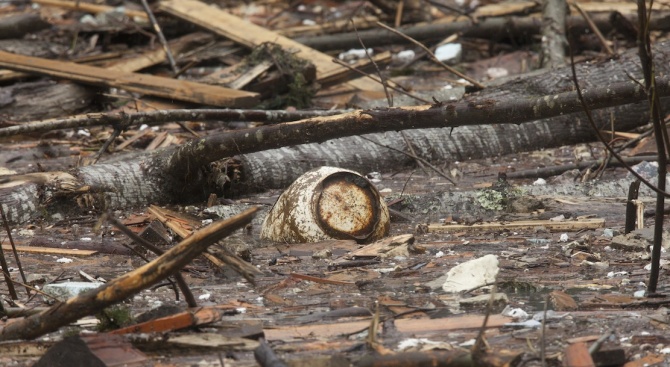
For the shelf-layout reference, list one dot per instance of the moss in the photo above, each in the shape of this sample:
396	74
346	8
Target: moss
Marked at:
114	317
300	91
499	197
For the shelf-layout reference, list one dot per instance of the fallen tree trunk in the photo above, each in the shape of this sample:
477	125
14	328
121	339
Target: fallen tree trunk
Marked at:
487	123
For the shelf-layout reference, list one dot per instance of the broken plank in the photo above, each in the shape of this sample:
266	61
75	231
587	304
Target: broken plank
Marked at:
90	8
405	326
182	90
569	225
50	251
251	35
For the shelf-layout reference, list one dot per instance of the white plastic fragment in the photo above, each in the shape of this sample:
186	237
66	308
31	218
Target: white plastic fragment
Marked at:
515	313
64	260
205	296
540	182
564	237
472	274
405	56
354	54
449	52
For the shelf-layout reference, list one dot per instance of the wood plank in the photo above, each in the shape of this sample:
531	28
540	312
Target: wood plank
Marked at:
577	355
568	225
50	250
182	90
406	326
90	8
251	35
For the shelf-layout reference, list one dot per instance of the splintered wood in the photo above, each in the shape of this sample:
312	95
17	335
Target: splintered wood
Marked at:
182	90
251	35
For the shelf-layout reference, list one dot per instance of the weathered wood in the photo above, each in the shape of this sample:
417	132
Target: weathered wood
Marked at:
182	90
126	285
51	251
90	8
517	28
495	117
568	225
251	35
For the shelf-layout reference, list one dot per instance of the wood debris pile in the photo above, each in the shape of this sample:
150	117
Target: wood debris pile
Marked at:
112	110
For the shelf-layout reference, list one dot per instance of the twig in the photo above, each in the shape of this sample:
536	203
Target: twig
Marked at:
662	144
5	271
478	349
600	136
11	242
115	134
154	118
161	37
188	296
594	28
377	80
127	284
432	56
37	291
419	159
389	98
543	337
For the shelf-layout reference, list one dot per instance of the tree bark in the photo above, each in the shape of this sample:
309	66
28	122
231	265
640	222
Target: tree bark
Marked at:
516	28
487	123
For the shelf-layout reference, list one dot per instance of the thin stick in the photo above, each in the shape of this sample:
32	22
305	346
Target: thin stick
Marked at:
439	172
338	61
161	37
432	56
115	134
594	28
126	285
662	144
160	117
600	136
183	286
11	242
5	271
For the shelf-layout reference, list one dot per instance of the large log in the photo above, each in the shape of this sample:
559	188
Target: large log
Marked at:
495	120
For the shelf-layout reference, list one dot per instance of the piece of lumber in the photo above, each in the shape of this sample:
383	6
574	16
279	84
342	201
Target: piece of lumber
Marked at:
181	320
182	90
50	251
89	8
251	35
577	355
156	55
405	326
568	225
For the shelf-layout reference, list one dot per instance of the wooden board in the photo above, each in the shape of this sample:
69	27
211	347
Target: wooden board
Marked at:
251	35
568	225
89	8
408	326
49	250
182	90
